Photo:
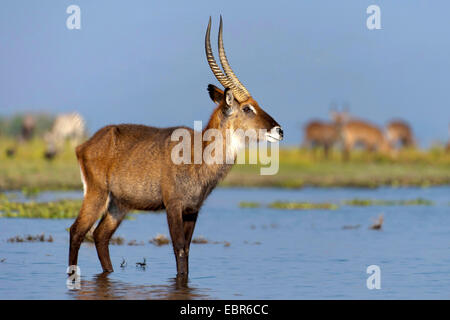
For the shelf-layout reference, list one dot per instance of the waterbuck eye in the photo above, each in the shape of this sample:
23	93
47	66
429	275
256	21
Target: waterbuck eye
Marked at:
247	109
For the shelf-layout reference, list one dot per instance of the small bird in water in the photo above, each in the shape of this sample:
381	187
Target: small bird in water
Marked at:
378	223
141	264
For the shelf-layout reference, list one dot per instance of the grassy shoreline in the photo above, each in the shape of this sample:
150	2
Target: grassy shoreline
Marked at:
29	172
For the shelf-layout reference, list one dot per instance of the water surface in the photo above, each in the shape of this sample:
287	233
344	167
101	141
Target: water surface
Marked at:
273	254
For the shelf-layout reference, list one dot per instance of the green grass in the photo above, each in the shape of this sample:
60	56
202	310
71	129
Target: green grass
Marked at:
30	172
299	168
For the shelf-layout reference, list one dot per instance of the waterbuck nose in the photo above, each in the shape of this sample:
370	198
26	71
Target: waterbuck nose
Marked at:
280	131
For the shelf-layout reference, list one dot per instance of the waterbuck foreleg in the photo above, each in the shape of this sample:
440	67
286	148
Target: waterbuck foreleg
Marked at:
348	146
189	220
104	231
175	221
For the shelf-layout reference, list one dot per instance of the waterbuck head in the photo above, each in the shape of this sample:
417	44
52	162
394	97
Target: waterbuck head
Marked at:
237	107
339	117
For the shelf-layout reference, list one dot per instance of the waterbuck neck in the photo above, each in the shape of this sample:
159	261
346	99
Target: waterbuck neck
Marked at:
217	171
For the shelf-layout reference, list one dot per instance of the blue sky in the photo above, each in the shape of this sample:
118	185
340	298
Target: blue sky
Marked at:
144	62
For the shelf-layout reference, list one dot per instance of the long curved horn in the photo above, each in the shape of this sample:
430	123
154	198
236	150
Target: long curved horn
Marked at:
223	79
241	92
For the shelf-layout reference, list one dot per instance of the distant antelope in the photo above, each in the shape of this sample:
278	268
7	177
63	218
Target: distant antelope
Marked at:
324	134
126	167
70	126
28	127
399	132
26	133
321	134
364	133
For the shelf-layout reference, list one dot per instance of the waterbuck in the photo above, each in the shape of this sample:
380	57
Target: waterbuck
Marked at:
320	134
126	167
324	134
69	126
399	133
361	132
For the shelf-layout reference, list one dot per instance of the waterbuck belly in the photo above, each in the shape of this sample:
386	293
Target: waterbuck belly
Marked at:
141	194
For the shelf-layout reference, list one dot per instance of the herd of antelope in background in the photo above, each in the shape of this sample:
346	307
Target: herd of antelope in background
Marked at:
350	133
342	130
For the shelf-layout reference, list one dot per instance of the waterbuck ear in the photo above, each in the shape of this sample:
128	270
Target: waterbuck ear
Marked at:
215	93
229	98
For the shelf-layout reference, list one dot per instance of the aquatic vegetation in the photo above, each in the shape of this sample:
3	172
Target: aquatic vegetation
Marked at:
349	227
135	243
372	202
30	238
30	192
245	204
200	240
253	243
62	209
89	237
292	205
203	240
160	240
302	205
289	206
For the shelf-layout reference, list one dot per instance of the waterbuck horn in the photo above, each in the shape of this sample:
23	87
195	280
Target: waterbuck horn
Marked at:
241	93
227	79
227	83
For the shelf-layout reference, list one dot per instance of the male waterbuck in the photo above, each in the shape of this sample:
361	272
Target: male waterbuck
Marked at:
399	133
126	167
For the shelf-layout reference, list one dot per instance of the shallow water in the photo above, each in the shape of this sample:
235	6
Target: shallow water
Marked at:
273	254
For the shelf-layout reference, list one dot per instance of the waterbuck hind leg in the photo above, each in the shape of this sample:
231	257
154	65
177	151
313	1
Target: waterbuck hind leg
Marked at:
176	228
104	231
94	204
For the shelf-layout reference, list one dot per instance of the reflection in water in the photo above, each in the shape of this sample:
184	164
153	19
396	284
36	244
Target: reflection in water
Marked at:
102	287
